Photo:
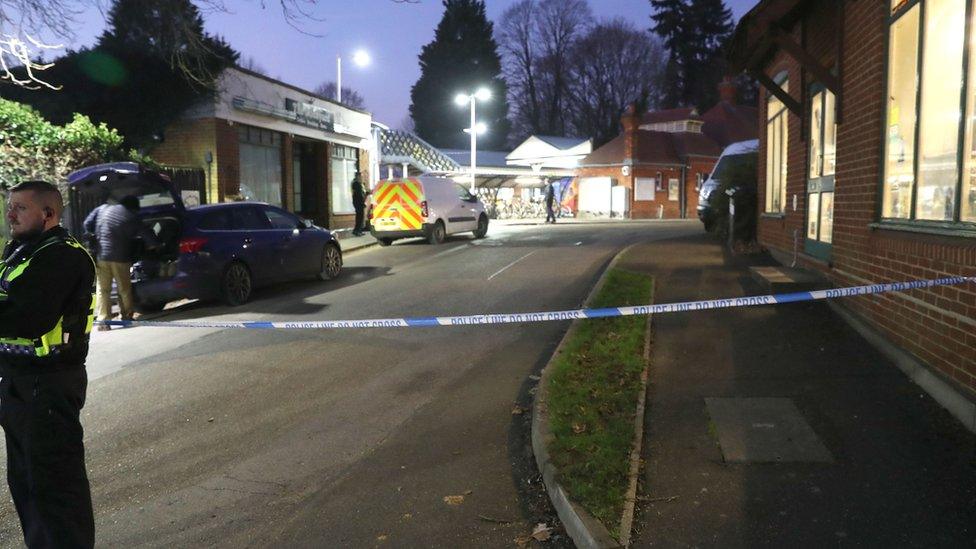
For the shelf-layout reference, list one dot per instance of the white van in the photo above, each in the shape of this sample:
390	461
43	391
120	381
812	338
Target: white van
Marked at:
735	153
427	206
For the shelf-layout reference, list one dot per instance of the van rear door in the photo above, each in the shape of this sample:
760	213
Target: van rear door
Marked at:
397	206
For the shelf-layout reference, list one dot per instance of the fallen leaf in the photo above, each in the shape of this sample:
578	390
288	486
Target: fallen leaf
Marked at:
541	532
381	537
579	428
523	540
518	410
468	492
454	500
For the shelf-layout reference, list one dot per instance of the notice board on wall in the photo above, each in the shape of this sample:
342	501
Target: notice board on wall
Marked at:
644	188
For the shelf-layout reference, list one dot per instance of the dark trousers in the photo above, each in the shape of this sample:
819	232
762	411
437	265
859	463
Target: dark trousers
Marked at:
46	457
550	213
360	211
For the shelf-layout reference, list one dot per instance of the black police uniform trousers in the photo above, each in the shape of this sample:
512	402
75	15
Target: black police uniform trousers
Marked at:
40	415
360	216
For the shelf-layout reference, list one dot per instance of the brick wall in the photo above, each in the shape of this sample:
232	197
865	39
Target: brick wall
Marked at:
936	325
185	144
651	209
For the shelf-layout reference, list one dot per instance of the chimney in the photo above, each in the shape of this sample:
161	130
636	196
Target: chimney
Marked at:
726	90
630	122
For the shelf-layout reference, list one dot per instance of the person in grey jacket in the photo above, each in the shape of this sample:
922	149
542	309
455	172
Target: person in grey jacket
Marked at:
116	228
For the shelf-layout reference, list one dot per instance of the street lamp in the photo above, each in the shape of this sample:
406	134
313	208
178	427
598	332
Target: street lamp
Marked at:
474	129
360	59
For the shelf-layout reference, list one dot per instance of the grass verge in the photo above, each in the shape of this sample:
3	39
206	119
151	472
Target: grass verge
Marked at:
592	398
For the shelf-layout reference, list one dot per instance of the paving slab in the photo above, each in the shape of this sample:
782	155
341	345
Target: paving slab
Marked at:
760	430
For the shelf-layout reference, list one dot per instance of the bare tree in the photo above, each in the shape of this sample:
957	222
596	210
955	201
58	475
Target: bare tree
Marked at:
518	45
558	26
536	38
350	97
614	65
23	22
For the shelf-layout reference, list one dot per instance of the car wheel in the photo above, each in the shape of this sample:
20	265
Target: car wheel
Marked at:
482	229
331	262
437	233
235	286
385	241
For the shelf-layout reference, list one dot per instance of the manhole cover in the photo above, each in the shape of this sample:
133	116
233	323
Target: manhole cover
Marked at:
764	430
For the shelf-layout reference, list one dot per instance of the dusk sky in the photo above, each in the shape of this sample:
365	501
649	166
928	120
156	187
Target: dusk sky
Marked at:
393	34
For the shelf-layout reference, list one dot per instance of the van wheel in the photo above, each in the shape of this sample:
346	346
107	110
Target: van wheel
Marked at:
235	285
482	229
331	262
385	241
437	233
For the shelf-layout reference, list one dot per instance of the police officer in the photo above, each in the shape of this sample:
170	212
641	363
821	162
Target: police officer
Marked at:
46	310
359	193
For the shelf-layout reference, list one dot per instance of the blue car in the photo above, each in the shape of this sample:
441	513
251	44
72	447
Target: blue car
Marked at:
213	251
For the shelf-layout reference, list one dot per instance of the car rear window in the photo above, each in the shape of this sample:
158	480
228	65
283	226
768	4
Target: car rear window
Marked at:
218	220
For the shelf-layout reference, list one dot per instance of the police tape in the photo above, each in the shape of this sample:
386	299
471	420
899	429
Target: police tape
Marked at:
514	318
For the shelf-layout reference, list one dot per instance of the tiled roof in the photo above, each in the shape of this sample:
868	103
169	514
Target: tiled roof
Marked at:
730	123
397	147
655	147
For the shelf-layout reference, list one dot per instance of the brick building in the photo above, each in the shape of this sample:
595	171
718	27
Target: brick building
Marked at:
261	139
868	162
654	168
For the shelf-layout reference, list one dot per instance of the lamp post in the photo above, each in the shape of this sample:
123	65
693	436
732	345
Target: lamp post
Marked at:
360	58
483	94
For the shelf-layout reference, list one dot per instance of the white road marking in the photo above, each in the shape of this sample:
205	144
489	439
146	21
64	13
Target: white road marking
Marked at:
503	269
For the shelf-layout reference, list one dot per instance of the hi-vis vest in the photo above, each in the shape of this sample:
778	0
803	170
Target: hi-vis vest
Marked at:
54	340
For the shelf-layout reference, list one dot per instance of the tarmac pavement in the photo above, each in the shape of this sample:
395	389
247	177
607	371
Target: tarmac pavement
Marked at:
781	426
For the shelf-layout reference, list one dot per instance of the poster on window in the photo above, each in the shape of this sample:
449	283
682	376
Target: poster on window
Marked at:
673	190
644	188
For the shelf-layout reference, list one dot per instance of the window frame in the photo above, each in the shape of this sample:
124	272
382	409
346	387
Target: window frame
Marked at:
956	226
782	116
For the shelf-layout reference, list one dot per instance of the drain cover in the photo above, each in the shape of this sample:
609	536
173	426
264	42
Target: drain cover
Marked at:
764	430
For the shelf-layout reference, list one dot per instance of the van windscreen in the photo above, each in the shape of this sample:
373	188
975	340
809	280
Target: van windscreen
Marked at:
733	162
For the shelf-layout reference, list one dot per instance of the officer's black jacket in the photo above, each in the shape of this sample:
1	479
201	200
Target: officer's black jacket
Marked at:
59	281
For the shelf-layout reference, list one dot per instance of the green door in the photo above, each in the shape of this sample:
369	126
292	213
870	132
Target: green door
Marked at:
820	179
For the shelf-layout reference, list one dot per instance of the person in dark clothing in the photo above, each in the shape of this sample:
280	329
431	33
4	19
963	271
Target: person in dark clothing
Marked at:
116	227
47	284
359	194
550	203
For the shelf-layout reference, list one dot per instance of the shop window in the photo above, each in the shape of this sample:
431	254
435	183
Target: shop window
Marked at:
923	181
343	169
260	164
777	137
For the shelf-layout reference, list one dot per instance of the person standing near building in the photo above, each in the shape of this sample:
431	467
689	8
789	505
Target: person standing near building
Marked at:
47	284
550	203
359	194
116	227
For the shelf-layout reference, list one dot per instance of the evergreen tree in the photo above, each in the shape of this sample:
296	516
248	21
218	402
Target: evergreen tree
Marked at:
670	23
713	22
171	30
462	58
695	33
